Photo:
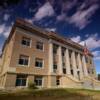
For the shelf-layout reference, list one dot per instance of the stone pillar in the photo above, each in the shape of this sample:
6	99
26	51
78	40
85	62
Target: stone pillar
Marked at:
67	63
93	66
74	64
84	66
59	60
80	66
50	57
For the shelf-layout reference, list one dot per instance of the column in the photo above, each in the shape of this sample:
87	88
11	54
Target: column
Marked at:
59	60
50	57
67	63
74	64
80	66
84	66
93	66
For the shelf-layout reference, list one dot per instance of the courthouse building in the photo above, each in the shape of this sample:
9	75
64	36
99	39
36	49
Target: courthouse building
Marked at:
33	55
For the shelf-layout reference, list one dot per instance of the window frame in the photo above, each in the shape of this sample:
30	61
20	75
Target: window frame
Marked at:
38	45
41	79
57	82
24	60
21	80
37	59
64	71
27	40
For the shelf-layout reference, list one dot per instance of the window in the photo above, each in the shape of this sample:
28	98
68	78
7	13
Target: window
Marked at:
39	62
72	71
63	54
21	80
90	61
78	73
63	64
54	68
57	80
39	45
55	47
23	60
64	70
26	41
38	80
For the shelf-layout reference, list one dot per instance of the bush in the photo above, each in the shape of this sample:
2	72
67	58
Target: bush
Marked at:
32	86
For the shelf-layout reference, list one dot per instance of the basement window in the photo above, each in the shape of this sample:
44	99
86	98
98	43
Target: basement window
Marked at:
38	80
21	80
57	80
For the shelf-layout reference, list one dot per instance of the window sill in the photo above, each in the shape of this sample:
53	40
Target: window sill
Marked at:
22	65
39	67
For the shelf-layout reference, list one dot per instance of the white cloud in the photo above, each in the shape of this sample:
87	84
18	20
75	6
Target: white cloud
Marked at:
97	58
82	17
5	30
61	17
51	29
6	17
29	20
92	42
76	39
96	55
2	27
45	10
65	7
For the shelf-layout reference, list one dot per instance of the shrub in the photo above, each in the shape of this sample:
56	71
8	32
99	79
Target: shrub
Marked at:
32	86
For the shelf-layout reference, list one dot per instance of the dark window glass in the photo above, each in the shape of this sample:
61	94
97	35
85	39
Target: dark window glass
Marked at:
39	62
54	66
26	41
39	45
64	70
57	82
78	73
38	80
23	60
55	51
72	71
21	80
63	54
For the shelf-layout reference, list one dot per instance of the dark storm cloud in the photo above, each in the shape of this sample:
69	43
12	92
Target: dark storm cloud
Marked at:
6	3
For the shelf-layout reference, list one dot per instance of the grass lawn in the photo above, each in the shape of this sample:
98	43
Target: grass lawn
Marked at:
51	94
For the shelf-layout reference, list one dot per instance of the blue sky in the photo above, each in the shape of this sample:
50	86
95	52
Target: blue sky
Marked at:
75	19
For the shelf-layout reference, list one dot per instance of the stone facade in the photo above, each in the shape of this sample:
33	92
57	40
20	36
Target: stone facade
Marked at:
33	55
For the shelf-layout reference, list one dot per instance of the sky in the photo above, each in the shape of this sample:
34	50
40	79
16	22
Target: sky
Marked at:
75	19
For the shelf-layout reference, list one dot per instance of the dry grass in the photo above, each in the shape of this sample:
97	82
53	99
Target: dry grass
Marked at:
51	94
